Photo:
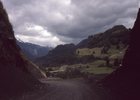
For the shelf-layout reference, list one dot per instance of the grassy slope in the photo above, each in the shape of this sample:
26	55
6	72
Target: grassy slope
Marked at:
99	66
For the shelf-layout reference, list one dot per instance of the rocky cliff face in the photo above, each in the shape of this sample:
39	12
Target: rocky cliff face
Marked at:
125	81
15	70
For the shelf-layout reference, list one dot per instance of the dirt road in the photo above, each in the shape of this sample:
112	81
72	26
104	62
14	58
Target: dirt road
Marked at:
64	90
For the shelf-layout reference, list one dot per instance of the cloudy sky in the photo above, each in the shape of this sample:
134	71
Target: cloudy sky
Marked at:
53	22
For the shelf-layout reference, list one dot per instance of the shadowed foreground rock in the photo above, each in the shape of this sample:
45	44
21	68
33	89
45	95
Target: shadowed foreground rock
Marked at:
15	70
124	83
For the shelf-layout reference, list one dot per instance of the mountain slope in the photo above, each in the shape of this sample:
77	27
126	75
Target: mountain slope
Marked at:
114	36
15	76
33	51
88	50
125	81
62	54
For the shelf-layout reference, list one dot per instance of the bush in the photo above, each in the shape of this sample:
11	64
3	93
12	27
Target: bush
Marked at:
73	72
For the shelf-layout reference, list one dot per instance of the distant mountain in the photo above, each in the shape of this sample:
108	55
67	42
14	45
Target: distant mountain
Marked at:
114	36
33	51
62	54
117	36
17	74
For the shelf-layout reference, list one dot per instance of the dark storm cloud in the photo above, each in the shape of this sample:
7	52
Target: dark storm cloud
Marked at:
65	21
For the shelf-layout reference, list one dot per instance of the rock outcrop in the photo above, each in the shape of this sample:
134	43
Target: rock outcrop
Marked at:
17	75
124	83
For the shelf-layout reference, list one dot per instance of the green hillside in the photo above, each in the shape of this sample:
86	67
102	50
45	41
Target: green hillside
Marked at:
98	54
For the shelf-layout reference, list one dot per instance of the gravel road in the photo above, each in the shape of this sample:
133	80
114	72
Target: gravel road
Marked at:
64	90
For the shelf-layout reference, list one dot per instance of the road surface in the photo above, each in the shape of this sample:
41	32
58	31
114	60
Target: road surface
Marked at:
64	90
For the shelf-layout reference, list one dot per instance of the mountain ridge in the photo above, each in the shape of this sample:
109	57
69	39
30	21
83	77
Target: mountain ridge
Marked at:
118	35
106	38
33	51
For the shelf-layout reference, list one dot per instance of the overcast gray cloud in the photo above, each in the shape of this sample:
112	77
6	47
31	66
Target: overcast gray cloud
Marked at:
53	22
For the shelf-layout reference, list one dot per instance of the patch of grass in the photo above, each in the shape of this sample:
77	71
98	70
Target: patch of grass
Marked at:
99	70
97	63
87	51
98	67
113	51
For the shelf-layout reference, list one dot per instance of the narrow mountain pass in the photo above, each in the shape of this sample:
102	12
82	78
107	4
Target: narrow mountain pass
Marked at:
73	89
